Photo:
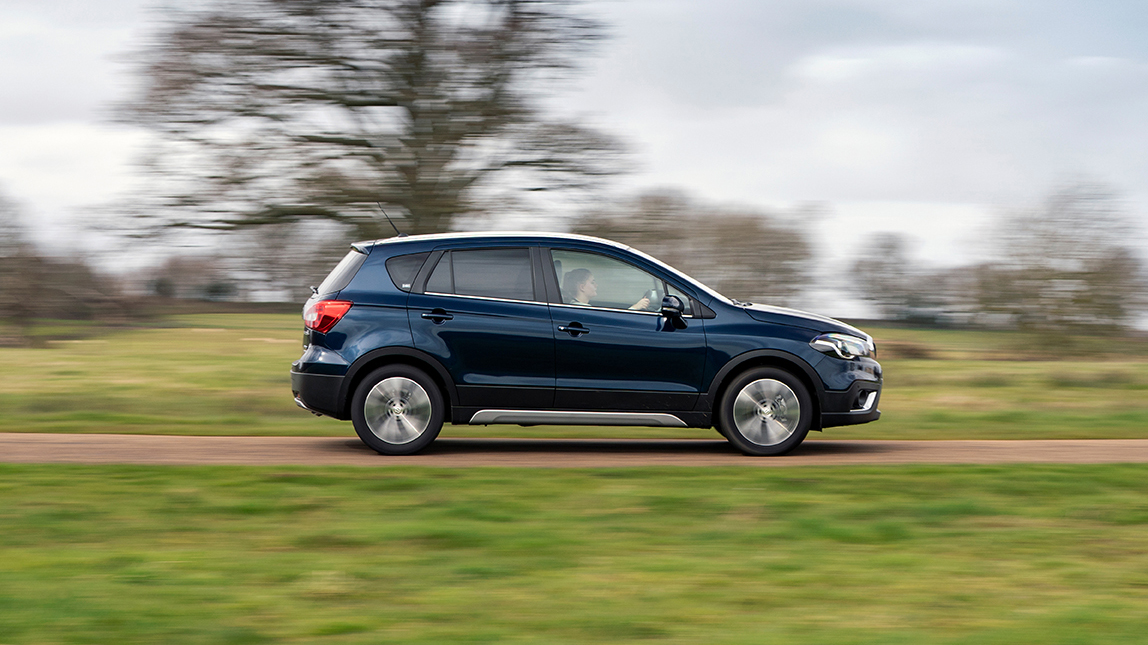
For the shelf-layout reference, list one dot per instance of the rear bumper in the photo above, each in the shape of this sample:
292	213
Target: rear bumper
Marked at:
318	393
856	405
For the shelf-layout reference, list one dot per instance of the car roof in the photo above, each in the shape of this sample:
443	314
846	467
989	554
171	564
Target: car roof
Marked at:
427	241
493	236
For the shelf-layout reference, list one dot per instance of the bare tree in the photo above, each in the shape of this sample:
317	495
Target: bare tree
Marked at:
742	253
35	286
12	235
14	254
281	111
1064	265
898	286
192	277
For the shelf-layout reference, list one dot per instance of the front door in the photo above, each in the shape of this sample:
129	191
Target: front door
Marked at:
614	350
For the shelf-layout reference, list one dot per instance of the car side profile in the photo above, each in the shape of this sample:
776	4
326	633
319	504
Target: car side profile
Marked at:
412	332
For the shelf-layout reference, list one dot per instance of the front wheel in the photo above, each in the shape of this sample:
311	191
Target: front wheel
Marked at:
397	410
766	411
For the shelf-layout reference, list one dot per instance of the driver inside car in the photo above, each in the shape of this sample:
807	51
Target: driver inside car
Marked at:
579	286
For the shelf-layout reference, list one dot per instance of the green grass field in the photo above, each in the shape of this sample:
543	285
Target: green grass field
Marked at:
955	554
225	374
1024	554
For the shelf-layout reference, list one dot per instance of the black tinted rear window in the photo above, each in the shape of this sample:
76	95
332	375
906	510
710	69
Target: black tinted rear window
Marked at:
494	273
491	273
341	275
403	268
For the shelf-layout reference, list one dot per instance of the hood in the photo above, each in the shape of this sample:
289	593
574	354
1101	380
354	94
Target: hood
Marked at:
796	318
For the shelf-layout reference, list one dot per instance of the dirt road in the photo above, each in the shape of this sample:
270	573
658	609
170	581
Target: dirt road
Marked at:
553	453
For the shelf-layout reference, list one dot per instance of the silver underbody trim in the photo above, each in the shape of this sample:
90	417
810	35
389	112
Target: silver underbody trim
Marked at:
299	402
558	417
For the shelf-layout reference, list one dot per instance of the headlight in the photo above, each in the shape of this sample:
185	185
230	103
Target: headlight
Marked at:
843	345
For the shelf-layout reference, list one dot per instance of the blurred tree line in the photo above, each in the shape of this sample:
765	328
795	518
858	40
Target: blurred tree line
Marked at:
743	253
35	285
1064	265
282	129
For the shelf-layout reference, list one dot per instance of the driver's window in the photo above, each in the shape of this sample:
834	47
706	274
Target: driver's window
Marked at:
594	280
671	291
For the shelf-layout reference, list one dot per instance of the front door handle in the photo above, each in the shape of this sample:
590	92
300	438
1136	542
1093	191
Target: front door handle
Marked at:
438	316
574	329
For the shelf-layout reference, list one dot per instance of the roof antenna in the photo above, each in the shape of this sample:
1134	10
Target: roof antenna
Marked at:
397	232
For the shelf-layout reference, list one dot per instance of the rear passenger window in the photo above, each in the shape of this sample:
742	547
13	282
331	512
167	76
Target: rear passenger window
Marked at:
403	268
490	273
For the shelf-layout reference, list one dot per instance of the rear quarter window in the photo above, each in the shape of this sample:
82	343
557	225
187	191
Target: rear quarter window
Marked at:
404	268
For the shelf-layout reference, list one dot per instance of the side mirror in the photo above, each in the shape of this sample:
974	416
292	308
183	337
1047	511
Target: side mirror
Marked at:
673	309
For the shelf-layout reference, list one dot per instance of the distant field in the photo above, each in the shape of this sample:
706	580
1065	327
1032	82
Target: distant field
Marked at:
228	374
939	555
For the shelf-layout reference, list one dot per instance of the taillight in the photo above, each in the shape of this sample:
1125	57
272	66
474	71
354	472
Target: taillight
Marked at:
321	316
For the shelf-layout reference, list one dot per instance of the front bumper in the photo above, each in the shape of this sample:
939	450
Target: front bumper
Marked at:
318	393
858	404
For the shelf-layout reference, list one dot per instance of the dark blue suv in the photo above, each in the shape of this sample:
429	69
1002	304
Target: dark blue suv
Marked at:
409	333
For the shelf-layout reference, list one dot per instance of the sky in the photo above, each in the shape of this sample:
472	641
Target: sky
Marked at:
924	117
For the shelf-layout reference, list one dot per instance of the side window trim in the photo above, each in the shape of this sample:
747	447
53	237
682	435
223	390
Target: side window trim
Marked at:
553	293
537	258
424	274
448	258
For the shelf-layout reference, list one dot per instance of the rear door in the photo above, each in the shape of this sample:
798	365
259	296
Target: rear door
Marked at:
482	314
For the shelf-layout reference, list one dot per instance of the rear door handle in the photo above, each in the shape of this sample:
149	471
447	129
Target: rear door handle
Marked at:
438	316
573	329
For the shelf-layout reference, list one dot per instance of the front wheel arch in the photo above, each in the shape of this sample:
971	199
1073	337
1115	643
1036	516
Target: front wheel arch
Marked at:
785	362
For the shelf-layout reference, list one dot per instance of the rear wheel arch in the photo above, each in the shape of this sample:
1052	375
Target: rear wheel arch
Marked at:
397	409
375	359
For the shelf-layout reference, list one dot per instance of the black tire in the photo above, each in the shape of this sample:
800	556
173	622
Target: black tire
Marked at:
772	417
398	410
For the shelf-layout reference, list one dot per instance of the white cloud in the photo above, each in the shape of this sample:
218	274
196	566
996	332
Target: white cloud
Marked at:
869	63
60	67
58	167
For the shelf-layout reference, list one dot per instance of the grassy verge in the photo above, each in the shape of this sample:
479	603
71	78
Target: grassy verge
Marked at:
228	374
855	555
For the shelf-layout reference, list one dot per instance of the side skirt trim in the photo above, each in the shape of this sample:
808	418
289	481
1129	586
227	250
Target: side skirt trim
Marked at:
558	417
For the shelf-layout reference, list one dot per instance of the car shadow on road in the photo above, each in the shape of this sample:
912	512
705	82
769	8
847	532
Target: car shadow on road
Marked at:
597	446
474	446
833	447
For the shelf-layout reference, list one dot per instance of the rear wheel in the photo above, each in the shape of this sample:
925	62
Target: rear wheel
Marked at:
397	410
766	411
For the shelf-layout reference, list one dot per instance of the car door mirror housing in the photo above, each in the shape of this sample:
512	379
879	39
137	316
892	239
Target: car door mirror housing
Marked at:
673	308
